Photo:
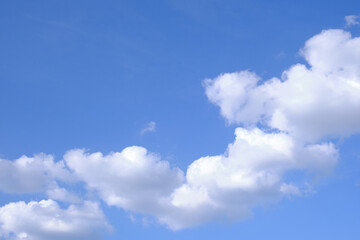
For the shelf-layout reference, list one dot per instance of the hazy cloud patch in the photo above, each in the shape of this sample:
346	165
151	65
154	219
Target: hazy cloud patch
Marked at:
150	127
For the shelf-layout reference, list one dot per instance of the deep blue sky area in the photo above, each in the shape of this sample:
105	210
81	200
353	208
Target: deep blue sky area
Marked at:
92	74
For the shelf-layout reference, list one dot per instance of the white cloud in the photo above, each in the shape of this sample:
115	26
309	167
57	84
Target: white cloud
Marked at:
299	110
151	126
250	173
285	123
310	103
31	174
230	92
132	179
46	220
219	187
351	20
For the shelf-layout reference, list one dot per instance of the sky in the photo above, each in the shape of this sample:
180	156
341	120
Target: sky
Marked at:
179	119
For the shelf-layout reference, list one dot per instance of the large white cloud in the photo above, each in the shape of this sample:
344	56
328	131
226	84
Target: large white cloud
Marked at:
298	111
250	173
46	220
218	187
311	103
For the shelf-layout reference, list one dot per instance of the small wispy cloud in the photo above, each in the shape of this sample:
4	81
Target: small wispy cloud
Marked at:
351	20
150	127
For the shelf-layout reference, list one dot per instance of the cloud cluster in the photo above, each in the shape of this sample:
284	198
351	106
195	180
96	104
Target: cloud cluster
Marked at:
287	124
310	103
46	220
222	187
249	173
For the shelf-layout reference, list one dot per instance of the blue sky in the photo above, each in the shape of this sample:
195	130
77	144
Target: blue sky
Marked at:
105	76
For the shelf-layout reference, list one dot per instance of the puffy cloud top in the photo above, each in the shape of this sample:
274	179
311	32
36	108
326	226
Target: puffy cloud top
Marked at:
310	103
132	179
46	220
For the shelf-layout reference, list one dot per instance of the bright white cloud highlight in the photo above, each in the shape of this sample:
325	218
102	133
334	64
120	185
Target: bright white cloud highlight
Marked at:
132	179
46	220
250	173
310	103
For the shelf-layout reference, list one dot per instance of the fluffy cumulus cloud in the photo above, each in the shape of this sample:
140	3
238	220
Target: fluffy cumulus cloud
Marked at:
287	124
299	113
222	187
250	173
46	220
133	179
31	174
310	103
